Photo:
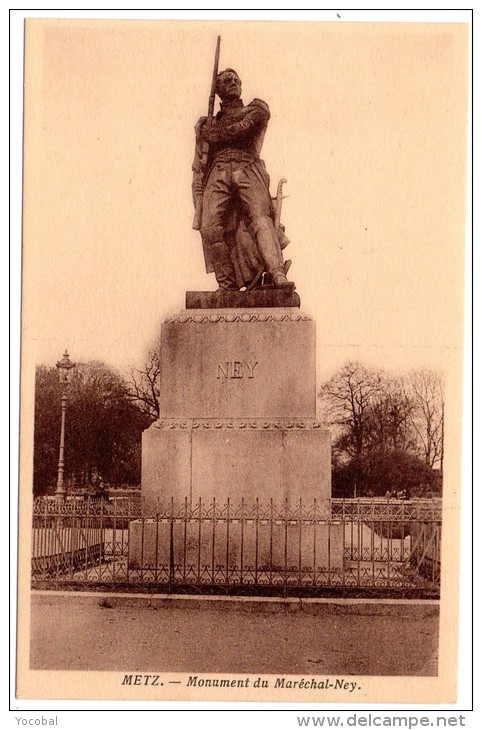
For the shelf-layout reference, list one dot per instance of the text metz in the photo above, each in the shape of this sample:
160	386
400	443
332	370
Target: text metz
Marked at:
235	369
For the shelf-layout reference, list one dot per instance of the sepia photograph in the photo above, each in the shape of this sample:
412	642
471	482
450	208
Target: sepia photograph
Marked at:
243	255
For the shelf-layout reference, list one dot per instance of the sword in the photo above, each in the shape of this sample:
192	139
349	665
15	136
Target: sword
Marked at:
279	201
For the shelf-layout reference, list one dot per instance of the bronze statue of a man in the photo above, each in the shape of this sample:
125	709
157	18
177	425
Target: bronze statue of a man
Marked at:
238	218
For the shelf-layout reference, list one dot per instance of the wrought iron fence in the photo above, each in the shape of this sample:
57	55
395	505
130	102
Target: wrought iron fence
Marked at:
337	546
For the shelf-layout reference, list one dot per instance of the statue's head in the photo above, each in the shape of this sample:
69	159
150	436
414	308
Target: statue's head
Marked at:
228	85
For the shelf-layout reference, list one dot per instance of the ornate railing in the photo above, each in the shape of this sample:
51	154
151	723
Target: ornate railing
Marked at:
338	546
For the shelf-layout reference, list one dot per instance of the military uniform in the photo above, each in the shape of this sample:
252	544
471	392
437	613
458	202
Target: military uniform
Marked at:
237	226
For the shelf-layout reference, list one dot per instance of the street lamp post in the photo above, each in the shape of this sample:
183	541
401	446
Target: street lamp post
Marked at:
64	368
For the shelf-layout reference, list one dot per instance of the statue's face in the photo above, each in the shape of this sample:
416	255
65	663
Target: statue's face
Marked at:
228	86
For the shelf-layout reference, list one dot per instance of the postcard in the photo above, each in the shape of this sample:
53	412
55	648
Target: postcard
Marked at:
242	356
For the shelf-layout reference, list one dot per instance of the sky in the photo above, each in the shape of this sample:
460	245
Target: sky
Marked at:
368	124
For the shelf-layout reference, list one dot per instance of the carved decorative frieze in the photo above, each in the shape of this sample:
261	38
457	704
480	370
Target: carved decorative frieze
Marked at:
240	317
247	424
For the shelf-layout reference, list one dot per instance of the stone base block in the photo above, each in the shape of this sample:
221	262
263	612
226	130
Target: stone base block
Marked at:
280	460
222	299
232	363
204	549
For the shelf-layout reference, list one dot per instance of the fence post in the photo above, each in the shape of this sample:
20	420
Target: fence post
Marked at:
213	543
270	577
285	586
171	547
156	556
256	546
114	530
227	547
315	515
242	543
184	541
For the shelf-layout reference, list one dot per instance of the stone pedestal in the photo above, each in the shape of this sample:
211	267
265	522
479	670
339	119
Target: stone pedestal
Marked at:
237	469
284	459
238	410
225	364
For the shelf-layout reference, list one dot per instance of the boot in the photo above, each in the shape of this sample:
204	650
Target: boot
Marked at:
271	252
281	282
223	266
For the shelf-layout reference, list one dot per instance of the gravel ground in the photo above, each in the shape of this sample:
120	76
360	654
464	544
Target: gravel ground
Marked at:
91	636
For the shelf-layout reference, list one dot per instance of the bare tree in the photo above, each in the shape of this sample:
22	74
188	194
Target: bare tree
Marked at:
427	418
348	399
143	383
390	417
388	429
